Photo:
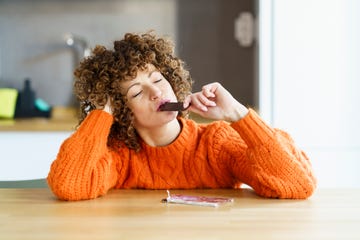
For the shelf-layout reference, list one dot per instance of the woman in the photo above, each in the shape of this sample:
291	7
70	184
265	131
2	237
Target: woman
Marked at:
125	140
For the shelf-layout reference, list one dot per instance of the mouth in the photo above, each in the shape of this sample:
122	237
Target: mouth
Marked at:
161	104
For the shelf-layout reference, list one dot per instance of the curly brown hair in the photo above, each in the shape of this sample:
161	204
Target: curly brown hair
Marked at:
98	79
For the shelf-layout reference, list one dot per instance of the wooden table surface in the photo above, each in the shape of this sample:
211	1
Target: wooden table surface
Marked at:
139	214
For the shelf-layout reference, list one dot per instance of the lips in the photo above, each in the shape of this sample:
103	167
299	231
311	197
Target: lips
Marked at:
161	103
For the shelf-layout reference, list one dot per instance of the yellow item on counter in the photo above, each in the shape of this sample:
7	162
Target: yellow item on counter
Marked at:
8	97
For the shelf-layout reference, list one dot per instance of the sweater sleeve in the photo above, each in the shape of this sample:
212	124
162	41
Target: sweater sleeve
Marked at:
84	167
272	165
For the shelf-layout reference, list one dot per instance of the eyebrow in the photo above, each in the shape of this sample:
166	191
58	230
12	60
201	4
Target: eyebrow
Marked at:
134	84
127	90
150	73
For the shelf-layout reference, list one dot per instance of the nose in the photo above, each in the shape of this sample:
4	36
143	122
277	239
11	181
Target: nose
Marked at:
154	92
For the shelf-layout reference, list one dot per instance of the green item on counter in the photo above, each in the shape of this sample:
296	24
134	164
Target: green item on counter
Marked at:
8	97
42	105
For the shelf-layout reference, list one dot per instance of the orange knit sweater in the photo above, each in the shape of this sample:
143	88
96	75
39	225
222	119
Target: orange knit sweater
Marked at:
215	155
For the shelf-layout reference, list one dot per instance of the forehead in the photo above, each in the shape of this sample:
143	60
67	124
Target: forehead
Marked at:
145	72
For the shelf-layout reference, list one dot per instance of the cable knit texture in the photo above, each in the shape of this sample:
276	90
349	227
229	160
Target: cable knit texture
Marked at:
215	155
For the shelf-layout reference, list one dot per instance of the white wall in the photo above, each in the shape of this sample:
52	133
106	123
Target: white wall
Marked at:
310	78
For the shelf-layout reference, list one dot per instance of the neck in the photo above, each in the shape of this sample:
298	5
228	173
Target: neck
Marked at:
161	136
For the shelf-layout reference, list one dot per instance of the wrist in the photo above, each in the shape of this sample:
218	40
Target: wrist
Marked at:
239	112
107	109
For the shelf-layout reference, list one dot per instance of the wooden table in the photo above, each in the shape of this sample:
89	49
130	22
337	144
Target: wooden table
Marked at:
139	214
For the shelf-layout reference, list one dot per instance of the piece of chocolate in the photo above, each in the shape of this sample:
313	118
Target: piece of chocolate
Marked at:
173	106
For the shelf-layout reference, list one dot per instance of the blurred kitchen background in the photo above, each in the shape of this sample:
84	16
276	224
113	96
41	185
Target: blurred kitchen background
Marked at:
296	62
44	40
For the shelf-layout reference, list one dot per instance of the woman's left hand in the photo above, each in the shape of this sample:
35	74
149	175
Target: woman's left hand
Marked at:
215	102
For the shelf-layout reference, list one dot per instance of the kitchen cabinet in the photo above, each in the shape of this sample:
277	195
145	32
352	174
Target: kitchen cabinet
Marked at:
28	155
28	146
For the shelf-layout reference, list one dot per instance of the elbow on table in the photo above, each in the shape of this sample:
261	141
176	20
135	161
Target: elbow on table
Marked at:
69	192
303	187
299	191
285	189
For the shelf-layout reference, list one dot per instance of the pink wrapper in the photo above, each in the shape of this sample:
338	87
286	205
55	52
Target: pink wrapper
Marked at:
197	200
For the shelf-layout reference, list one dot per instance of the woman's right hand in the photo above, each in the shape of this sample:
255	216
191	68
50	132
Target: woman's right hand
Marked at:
215	102
107	108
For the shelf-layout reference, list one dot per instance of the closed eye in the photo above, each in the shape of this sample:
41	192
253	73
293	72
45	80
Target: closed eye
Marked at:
159	80
137	94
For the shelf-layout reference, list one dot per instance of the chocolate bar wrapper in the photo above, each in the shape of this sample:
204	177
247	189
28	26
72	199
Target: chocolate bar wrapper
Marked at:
197	200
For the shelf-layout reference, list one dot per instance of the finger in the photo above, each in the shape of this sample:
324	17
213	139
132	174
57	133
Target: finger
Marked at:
206	101
187	101
208	91
197	104
211	88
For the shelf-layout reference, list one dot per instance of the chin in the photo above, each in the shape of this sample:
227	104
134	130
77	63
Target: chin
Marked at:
173	115
168	117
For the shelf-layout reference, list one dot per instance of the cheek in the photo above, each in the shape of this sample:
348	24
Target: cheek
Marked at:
138	118
139	111
168	89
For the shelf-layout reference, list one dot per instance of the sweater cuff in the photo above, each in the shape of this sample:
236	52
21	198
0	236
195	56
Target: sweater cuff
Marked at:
97	122
253	129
